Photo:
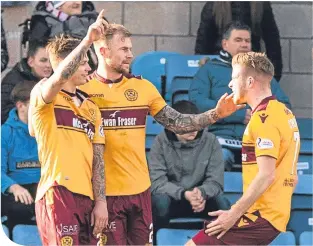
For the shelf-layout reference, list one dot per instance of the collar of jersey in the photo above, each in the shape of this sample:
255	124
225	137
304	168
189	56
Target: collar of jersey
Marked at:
263	104
107	81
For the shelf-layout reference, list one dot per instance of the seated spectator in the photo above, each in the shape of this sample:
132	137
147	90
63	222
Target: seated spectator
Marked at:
211	82
35	67
51	18
257	15
20	168
187	174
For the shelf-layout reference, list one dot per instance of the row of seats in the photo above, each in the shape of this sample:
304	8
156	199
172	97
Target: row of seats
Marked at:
28	235
181	236
172	73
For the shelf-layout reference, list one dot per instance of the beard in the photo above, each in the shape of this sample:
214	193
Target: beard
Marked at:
120	69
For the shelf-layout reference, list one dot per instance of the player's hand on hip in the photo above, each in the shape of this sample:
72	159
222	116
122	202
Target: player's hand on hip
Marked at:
99	217
21	194
225	220
97	29
226	106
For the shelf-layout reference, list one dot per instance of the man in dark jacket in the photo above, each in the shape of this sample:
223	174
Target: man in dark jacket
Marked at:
257	15
211	82
187	173
35	67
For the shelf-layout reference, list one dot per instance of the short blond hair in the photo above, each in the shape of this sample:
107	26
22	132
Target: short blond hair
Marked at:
61	46
113	29
259	62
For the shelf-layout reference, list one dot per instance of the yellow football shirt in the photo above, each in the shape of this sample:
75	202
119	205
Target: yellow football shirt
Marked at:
124	106
272	131
65	134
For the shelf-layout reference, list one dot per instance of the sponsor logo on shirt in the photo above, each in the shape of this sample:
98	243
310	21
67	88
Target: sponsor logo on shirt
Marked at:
84	125
111	227
67	229
124	118
289	182
264	143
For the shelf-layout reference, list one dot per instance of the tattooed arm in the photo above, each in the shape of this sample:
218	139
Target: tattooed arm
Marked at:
98	179
99	215
184	123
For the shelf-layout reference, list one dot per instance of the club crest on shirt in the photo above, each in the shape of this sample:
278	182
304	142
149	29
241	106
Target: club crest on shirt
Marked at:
131	95
92	113
66	241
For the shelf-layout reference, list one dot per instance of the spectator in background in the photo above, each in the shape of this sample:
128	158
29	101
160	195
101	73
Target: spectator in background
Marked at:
211	82
35	67
20	168
4	49
257	15
51	18
187	173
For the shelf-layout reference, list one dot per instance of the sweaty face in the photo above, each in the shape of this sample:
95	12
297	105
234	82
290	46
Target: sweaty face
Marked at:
120	54
238	42
238	84
71	7
80	76
40	64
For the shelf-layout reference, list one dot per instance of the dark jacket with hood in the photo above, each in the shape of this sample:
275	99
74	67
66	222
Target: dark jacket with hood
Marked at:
19	73
176	167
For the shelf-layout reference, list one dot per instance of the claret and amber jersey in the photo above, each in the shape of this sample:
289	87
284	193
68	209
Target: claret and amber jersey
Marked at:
124	106
272	131
65	134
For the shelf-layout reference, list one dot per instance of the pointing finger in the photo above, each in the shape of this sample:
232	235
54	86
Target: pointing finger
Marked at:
101	14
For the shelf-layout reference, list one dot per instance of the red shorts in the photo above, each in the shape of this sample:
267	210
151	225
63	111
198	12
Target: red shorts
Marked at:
130	219
63	218
244	232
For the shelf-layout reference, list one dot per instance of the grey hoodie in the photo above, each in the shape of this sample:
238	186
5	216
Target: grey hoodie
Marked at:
175	166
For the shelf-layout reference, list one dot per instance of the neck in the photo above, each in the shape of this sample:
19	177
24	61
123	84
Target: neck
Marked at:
69	87
105	71
22	117
257	98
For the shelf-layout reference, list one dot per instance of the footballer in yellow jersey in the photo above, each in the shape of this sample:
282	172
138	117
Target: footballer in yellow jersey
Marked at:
124	102
270	149
68	129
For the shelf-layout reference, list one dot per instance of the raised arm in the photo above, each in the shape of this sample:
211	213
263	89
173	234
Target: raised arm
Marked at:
70	64
183	123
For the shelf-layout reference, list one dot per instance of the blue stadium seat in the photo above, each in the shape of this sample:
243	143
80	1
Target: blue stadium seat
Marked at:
306	238
153	128
180	70
27	235
284	238
174	236
305	127
300	221
304	165
302	196
5	230
151	65
232	186
306	146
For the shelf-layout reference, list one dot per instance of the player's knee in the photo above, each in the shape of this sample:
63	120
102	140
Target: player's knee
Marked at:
190	243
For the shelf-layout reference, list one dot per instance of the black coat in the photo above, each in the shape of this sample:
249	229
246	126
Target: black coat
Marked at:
20	72
4	50
209	42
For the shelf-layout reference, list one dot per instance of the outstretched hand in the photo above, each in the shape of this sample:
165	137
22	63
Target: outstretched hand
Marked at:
97	29
226	106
